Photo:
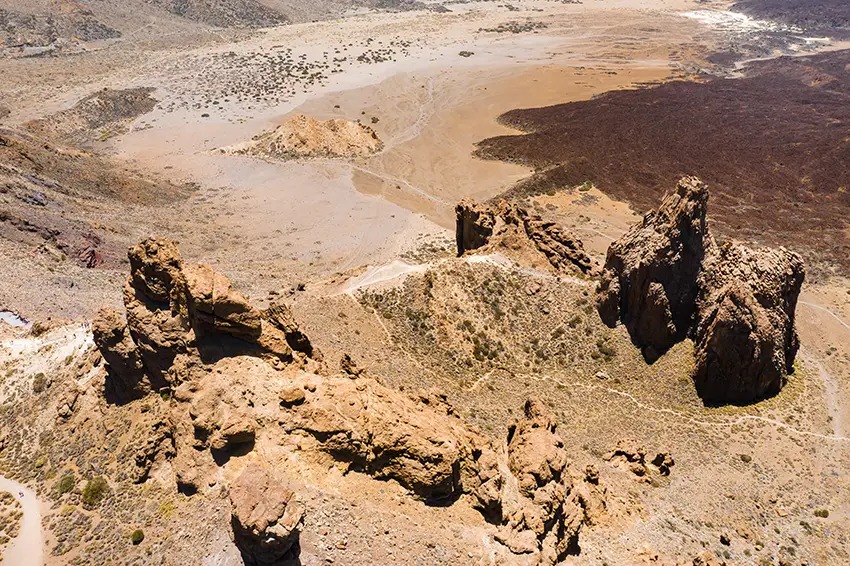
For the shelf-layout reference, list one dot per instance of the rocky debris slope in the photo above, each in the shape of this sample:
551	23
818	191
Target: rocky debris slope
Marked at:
47	210
266	517
100	115
302	137
511	228
70	24
667	279
224	13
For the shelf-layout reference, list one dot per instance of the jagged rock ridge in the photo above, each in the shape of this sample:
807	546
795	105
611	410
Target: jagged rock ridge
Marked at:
503	226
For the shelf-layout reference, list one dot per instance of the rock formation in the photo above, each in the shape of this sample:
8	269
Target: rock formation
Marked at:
667	279
649	278
239	376
420	443
544	508
302	137
266	517
126	379
175	310
507	227
746	339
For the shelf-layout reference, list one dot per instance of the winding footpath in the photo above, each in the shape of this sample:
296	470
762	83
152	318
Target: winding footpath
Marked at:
27	549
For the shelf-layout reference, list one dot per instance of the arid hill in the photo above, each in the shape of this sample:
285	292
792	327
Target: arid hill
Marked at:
771	146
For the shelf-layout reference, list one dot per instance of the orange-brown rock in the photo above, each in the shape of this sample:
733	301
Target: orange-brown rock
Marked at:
510	227
266	517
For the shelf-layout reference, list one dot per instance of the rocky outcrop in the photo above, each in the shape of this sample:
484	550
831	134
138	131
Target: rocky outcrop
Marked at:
648	282
217	308
544	508
125	379
266	517
173	310
746	339
152	444
667	279
511	228
419	443
279	315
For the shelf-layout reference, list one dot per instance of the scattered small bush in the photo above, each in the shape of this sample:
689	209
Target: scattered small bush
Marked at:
822	513
95	491
66	484
39	383
137	536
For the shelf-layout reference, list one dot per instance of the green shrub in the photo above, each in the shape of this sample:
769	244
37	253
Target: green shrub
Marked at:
137	536
95	491
822	513
66	484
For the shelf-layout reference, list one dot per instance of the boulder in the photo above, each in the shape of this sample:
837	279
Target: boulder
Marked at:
511	228
667	279
281	317
125	377
648	282
266	517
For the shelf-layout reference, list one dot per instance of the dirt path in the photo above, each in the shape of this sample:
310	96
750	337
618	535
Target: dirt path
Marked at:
27	548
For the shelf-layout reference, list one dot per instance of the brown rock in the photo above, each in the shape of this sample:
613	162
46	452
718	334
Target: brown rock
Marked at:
266	517
513	228
349	367
707	558
663	461
216	308
648	281
546	512
422	445
281	317
125	378
292	395
156	269
153	443
475	224
746	339
667	279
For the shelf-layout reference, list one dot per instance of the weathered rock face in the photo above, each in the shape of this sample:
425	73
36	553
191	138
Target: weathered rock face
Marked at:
746	339
125	379
156	269
279	315
419	443
667	279
475	224
546	512
514	228
266	517
649	277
